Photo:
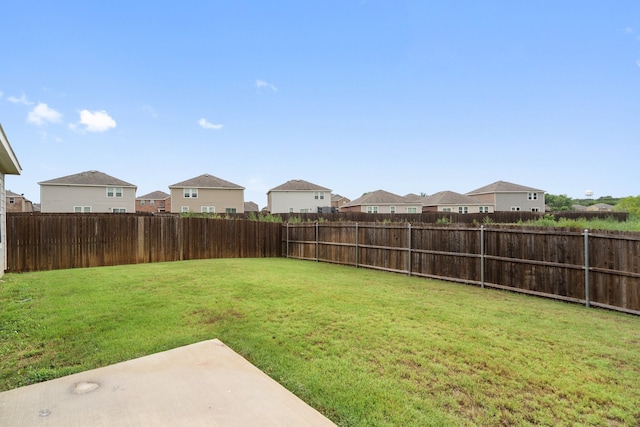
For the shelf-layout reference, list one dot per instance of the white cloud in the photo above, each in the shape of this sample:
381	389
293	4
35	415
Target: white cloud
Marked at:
42	114
261	83
95	121
628	30
204	124
19	100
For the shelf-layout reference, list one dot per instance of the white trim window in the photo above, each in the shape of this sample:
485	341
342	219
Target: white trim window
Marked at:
318	195
532	196
11	200
535	209
483	209
142	202
190	193
119	210
392	209
372	209
184	209
412	210
290	210
515	208
208	209
230	210
114	192
446	209
463	209
82	209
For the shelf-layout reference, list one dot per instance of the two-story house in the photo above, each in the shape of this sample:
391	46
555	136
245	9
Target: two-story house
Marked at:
84	192
506	196
450	201
8	166
299	196
381	201
17	202
207	194
154	202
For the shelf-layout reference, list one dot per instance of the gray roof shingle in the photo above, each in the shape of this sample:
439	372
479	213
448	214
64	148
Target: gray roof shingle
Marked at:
207	181
502	187
91	178
299	185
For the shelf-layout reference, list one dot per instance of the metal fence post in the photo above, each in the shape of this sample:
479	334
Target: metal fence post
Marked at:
586	267
409	244
482	256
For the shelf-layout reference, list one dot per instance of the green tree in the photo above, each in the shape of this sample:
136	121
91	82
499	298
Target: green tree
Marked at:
559	203
629	204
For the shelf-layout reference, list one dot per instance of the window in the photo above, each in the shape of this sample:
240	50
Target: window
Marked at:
532	196
152	202
318	195
463	209
142	202
119	210
82	209
184	209
290	210
114	191
446	209
304	210
11	200
412	210
515	208
483	209
535	209
392	209
208	209
372	209
190	193
230	210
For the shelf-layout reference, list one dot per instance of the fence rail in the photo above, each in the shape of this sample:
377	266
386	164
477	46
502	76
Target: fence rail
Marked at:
595	269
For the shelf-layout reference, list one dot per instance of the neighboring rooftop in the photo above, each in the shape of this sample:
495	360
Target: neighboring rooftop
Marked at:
155	195
502	187
207	181
379	197
449	198
299	185
88	178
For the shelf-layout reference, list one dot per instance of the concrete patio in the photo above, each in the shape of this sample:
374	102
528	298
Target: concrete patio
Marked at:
203	384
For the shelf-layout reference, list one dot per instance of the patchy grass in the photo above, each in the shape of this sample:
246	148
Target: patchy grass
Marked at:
363	347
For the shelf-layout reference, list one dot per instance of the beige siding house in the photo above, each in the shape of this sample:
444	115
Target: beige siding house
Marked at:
299	196
381	201
450	201
17	202
86	192
8	166
506	196
207	194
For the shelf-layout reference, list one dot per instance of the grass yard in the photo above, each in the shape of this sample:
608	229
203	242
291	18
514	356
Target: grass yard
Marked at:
366	348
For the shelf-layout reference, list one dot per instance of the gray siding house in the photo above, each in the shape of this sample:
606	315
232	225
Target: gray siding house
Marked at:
85	192
8	166
381	201
299	196
506	196
450	201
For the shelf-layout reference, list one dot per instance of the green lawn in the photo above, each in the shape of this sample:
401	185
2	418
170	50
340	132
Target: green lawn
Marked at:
365	348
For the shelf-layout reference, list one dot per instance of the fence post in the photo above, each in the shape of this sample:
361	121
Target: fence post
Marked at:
482	256
586	267
357	245
317	237
409	260
287	244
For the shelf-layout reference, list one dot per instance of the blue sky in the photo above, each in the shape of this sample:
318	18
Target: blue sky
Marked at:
356	96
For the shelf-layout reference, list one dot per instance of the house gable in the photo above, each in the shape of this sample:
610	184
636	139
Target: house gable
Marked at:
207	194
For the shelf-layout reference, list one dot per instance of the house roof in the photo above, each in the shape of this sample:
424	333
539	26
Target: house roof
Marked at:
207	181
380	197
10	193
299	185
91	178
8	161
251	207
502	187
449	198
155	195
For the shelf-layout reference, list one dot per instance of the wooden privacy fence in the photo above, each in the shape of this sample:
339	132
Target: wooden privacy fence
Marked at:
596	269
57	241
